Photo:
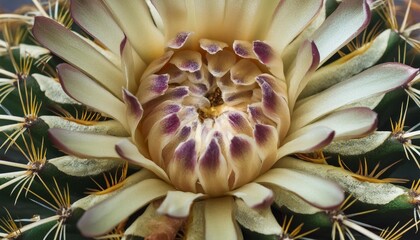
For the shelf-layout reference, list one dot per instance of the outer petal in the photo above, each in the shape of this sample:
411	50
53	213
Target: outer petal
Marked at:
101	218
346	22
372	193
316	191
290	18
346	67
77	52
254	195
84	144
306	141
94	18
129	152
177	204
376	80
218	213
136	21
85	90
299	74
259	220
347	124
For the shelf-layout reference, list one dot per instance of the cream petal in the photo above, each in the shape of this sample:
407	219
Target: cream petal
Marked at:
187	60
179	40
128	151
213	170
135	20
78	52
307	141
85	90
84	144
177	204
376	80
244	72
314	190
347	124
218	213
244	159
130	67
212	46
306	62
366	192
346	67
174	16
243	49
95	19
181	168
290	18
134	111
157	64
254	195
101	218
269	57
246	19
347	21
266	138
152	87
220	63
260	220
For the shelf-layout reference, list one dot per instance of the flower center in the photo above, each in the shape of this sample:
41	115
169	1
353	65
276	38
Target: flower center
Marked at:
216	100
213	120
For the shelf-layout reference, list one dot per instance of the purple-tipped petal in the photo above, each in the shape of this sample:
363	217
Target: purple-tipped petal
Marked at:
152	87
84	144
346	22
177	204
316	191
254	195
128	151
212	46
78	52
103	217
213	169
85	90
96	20
372	82
243	49
187	60
179	40
181	169
245	161
220	63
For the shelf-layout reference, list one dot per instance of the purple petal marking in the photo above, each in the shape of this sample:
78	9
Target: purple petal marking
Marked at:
199	89
190	66
255	112
198	75
269	97
132	103
186	154
180	92
179	40
210	159
239	147
160	83
261	134
213	48
236	120
185	131
263	51
171	124
240	50
172	108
